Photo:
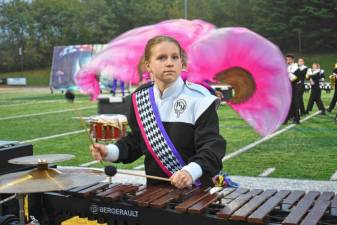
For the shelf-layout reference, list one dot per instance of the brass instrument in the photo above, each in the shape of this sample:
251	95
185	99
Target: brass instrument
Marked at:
332	78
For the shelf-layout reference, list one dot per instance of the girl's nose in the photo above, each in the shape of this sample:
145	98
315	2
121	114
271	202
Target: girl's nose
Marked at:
169	62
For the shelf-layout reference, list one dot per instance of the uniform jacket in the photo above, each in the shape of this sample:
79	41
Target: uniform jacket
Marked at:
194	132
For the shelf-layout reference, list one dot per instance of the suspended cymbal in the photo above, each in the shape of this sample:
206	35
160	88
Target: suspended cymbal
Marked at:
38	159
42	180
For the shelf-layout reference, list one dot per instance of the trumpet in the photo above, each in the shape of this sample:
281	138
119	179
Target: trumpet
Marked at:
332	78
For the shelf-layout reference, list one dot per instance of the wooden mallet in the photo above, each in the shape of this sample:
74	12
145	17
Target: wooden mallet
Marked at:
112	170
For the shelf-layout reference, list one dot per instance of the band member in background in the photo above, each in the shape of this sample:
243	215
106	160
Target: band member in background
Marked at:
322	74
302	71
174	123
333	79
294	107
114	87
315	75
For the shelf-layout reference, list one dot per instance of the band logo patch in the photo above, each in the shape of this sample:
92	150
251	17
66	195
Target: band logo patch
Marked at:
180	106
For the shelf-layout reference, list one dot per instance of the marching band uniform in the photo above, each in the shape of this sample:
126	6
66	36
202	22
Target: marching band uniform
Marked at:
315	75
301	72
294	107
321	81
334	98
189	117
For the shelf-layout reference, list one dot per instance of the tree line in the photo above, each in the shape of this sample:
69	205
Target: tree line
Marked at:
36	26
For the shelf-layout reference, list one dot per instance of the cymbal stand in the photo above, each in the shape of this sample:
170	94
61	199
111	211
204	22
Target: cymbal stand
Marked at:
21	199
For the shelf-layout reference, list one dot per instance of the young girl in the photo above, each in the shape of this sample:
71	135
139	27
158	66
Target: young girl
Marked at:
174	123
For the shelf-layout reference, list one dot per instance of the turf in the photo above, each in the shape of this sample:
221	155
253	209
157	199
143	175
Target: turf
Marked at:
305	151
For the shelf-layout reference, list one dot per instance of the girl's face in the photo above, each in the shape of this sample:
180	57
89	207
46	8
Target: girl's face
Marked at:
300	62
165	62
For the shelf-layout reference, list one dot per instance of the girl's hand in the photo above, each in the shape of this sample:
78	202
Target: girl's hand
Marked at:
98	151
181	179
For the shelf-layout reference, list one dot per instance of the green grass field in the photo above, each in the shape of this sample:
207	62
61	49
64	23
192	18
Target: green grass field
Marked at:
39	77
305	151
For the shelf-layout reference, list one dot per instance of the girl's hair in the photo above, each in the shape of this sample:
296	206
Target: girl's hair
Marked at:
159	39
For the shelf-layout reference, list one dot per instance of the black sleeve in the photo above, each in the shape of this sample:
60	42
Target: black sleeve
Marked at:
129	146
305	71
297	72
322	75
210	145
316	75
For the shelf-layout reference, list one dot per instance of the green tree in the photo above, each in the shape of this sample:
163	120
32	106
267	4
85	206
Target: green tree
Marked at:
39	25
14	20
285	21
317	21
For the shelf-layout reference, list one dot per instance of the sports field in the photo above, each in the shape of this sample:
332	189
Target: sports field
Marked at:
308	150
46	120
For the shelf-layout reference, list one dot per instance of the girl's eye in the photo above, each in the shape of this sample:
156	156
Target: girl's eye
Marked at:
161	58
175	57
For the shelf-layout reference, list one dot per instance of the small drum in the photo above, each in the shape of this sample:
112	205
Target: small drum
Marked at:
108	127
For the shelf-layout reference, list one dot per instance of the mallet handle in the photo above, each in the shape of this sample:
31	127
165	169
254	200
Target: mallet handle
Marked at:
147	176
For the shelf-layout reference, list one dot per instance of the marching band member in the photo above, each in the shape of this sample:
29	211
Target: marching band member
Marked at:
302	71
314	75
322	74
333	77
174	123
294	107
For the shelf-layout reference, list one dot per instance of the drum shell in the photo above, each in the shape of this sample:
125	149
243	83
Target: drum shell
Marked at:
106	131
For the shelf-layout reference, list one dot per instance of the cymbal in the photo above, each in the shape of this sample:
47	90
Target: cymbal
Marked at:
42	180
41	159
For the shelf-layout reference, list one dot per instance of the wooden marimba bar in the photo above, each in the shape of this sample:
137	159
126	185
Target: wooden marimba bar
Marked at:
140	205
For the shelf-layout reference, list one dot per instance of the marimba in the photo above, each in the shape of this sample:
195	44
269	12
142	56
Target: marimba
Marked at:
127	204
